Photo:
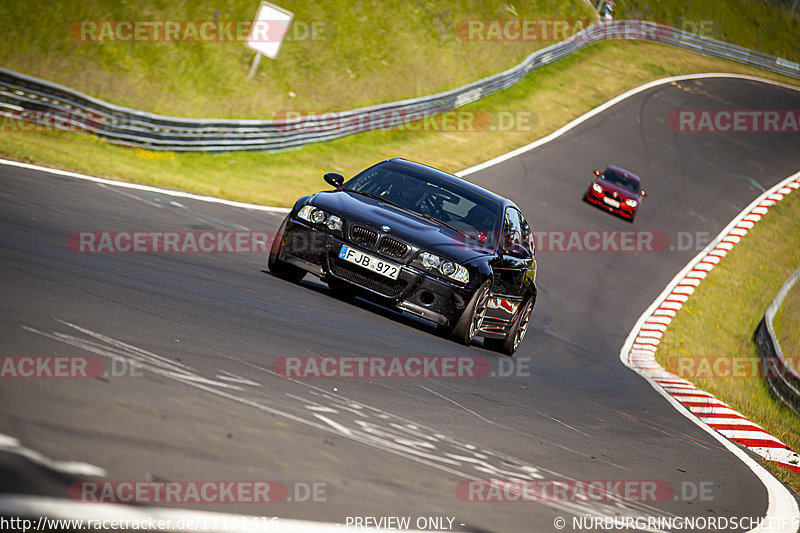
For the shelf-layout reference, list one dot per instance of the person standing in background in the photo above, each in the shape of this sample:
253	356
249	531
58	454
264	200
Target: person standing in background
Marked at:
608	10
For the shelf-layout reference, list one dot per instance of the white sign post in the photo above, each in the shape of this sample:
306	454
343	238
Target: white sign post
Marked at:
267	34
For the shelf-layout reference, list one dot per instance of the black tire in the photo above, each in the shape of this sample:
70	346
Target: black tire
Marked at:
471	319
280	268
515	334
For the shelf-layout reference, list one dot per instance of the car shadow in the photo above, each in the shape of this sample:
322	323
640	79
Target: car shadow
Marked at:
420	324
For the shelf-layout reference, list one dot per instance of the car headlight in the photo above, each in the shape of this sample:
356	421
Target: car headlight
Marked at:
444	267
597	188
305	212
315	215
429	260
631	203
334	223
318	216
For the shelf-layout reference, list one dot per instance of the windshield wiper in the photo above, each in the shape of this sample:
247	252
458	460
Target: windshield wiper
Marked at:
375	197
423	215
443	223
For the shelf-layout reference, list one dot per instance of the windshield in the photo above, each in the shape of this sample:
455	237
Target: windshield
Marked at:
624	181
474	215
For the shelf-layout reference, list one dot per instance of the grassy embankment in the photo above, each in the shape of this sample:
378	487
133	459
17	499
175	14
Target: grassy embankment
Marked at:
787	326
360	56
721	317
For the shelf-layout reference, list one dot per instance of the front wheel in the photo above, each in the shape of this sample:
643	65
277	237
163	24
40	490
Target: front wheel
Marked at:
472	318
515	334
280	268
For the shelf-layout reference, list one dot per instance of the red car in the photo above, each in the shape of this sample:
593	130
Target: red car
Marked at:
616	190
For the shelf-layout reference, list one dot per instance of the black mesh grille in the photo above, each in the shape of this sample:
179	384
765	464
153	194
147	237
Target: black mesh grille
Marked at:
364	236
368	279
393	247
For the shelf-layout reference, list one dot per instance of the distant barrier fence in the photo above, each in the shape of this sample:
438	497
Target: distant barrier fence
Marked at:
782	378
54	106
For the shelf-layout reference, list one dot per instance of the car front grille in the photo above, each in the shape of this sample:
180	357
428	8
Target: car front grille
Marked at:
364	236
367	279
393	247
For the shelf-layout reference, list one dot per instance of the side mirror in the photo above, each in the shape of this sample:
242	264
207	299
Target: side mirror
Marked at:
334	178
518	251
643	193
596	172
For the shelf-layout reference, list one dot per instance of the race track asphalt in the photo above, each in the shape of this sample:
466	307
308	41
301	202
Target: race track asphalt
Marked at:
211	326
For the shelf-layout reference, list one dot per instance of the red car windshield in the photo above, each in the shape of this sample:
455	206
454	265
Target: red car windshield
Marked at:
618	179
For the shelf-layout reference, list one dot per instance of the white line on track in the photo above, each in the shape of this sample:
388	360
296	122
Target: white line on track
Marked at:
12	445
781	506
148	188
597	110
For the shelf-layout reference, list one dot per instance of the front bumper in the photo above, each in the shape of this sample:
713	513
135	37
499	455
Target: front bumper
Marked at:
414	291
624	210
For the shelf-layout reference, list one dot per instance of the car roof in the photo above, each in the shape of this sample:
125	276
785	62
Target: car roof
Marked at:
624	172
446	176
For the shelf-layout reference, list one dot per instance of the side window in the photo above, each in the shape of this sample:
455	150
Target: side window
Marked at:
512	230
527	234
516	230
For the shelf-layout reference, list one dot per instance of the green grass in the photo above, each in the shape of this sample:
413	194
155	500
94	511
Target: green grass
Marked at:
787	326
766	26
363	52
720	318
552	95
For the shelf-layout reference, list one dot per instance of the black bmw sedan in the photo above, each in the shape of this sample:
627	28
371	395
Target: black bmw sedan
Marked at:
419	240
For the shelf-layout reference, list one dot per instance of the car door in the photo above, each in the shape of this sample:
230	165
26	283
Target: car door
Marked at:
513	268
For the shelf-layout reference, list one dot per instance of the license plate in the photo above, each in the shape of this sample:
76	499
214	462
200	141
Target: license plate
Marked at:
370	262
609	201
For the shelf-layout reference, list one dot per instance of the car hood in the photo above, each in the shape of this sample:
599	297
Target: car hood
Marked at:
622	191
415	230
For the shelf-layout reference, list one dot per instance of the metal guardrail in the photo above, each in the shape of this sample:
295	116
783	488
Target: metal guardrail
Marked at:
52	105
783	380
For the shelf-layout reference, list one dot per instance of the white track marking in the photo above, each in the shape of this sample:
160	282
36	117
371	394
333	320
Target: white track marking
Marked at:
224	375
139	187
373	428
781	503
597	110
12	445
467	409
129	195
59	508
782	507
335	425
